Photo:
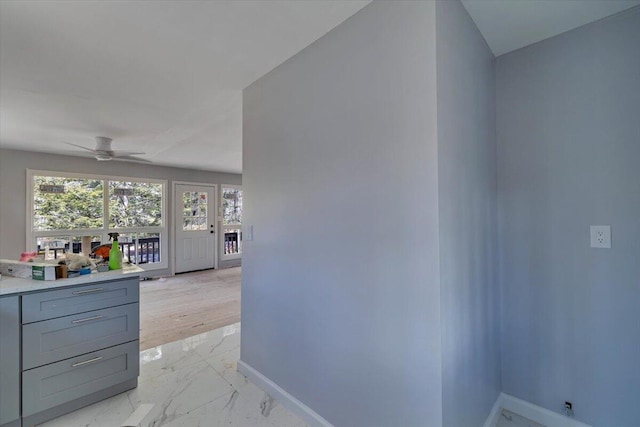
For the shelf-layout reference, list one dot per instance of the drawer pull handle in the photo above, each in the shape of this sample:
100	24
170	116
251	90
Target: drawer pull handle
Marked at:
86	362
87	319
88	291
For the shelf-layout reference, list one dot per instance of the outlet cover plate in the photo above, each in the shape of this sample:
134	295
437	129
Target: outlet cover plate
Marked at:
601	236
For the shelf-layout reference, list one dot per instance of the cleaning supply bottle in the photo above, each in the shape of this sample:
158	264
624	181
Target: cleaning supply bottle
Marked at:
115	254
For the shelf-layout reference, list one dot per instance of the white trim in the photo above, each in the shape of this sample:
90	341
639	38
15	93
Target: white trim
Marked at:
529	410
94	176
208	184
307	414
494	415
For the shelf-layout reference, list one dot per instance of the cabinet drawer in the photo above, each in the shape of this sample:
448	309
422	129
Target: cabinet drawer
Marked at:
68	301
62	382
64	337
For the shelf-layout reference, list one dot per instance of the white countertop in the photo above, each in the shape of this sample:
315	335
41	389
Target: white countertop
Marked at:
16	285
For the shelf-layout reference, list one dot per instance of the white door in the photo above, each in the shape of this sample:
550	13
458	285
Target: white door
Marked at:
195	231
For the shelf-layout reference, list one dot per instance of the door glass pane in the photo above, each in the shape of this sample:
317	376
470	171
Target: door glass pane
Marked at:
194	212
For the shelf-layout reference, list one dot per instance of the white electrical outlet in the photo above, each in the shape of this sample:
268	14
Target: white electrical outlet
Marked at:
601	236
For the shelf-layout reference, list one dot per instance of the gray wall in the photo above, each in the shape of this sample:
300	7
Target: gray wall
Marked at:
468	230
13	176
340	288
569	157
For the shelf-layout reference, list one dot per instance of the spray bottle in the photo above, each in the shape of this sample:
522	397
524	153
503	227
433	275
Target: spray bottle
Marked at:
115	254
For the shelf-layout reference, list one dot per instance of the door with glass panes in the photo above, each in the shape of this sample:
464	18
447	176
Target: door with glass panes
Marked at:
195	227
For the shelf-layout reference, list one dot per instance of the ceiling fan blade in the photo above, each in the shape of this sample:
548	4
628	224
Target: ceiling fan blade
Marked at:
132	159
124	153
77	153
80	146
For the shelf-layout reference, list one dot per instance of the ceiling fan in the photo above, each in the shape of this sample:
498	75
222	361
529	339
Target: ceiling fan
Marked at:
103	151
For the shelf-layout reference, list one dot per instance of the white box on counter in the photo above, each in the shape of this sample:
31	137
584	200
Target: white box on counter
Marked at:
15	268
27	270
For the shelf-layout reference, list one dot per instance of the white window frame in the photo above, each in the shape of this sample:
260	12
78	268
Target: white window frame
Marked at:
103	232
224	227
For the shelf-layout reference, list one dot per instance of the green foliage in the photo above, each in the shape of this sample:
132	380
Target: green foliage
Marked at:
81	206
143	208
232	206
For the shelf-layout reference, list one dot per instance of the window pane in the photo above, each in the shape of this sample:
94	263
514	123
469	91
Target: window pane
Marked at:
232	241
232	206
84	244
53	247
59	245
127	244
148	248
67	203
140	248
134	204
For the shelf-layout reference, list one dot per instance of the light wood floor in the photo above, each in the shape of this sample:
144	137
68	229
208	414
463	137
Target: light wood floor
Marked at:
173	308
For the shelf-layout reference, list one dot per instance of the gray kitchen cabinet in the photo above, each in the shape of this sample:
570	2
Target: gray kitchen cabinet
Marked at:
63	302
58	388
66	347
58	339
9	361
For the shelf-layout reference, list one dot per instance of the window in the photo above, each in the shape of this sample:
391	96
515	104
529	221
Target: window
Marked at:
75	213
232	222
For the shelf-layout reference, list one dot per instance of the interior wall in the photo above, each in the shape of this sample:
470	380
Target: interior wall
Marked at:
340	292
13	178
569	157
468	218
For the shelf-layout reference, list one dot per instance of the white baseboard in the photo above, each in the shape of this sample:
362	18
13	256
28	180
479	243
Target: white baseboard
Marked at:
504	401
274	390
529	410
492	419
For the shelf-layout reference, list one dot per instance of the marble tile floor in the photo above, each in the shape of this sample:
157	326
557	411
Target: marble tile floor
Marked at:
190	383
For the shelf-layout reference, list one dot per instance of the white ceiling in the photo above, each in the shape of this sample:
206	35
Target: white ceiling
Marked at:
162	77
511	24
166	77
